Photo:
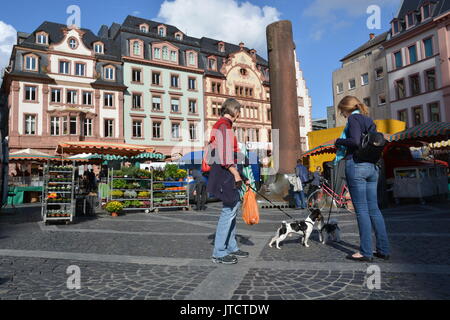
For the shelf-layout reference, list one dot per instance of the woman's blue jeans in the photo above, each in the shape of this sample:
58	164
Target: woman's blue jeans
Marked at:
362	181
225	242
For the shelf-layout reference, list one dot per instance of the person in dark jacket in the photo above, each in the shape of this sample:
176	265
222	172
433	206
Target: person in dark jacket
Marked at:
199	190
302	172
224	183
362	180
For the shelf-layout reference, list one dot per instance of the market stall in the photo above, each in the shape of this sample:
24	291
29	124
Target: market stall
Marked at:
26	184
424	180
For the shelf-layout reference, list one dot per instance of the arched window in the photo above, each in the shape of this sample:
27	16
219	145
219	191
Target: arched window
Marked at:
165	53
31	63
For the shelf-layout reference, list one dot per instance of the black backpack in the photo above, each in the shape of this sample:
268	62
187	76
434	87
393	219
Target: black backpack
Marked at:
371	147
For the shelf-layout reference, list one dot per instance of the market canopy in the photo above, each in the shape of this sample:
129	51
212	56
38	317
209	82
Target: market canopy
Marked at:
149	156
327	147
31	155
105	148
431	132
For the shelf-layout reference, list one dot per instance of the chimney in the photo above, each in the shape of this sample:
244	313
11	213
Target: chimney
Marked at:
241	45
372	36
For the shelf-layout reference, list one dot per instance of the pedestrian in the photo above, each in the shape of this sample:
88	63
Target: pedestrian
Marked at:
315	182
302	173
224	183
362	180
296	189
200	193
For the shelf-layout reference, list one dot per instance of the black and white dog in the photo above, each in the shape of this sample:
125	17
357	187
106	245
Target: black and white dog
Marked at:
330	231
302	228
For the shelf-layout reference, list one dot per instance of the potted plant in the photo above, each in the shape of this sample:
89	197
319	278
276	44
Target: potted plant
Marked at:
114	207
170	172
143	195
117	194
129	194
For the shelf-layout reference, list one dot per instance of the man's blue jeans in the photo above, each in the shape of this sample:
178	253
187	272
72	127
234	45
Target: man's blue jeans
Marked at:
362	181
225	242
300	199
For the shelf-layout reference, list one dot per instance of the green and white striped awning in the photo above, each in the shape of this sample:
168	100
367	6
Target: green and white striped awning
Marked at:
431	132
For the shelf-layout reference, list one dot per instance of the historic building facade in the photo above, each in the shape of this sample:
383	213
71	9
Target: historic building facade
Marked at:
237	72
64	84
164	100
304	107
140	82
418	53
364	74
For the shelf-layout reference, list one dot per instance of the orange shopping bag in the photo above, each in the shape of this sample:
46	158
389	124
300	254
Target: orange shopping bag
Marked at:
250	209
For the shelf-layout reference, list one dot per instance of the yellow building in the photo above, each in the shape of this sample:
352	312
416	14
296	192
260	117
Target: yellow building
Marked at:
323	141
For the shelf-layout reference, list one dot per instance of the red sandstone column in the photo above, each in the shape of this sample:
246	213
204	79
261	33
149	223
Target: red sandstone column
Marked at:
283	92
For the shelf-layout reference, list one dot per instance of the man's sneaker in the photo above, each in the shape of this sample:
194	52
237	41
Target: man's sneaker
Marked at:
226	260
240	254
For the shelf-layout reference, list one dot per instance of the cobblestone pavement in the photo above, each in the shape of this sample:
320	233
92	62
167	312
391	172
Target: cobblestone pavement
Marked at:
167	256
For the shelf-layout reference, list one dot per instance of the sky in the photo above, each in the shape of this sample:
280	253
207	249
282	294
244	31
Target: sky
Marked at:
324	30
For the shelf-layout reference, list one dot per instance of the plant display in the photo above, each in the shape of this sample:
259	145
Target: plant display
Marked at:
119	184
158	186
181	174
144	195
118	174
114	207
144	174
129	194
117	194
170	172
158	175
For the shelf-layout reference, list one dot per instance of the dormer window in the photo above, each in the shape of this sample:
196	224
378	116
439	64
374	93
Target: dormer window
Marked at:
109	73
73	43
137	48
173	56
161	31
143	28
157	53
221	47
179	36
191	59
98	48
42	38
31	63
212	64
165	53
410	20
395	27
426	11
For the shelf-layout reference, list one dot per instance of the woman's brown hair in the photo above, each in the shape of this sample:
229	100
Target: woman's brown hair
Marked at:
351	104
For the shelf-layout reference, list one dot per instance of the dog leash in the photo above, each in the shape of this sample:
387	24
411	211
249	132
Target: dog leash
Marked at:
278	207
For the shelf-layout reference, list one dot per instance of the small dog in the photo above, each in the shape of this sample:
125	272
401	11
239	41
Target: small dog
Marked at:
303	228
331	231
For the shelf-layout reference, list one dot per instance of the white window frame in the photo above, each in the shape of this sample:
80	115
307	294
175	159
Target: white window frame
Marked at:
30	125
88	127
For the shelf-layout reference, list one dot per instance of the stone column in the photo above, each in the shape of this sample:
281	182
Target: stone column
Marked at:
283	92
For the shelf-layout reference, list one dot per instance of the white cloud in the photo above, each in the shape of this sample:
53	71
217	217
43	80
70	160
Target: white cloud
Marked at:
225	20
136	13
335	14
8	36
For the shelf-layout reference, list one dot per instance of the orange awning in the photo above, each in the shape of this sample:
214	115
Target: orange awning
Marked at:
102	147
